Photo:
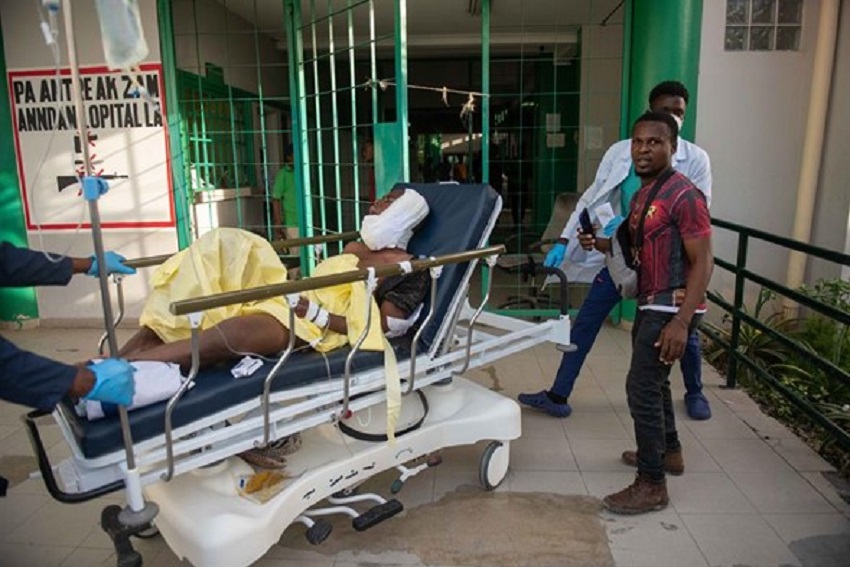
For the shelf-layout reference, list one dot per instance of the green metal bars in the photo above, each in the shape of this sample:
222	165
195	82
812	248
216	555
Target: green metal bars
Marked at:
336	131
740	317
226	80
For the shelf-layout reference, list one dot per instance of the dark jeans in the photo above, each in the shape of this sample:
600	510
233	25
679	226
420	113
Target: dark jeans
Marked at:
648	390
600	300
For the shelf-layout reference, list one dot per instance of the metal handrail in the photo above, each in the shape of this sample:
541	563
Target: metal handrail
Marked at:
169	408
470	325
267	383
739	317
435	276
813	357
198	304
278	245
118	317
798	245
346	388
804	300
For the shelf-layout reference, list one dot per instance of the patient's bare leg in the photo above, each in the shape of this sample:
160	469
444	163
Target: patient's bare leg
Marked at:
258	333
143	340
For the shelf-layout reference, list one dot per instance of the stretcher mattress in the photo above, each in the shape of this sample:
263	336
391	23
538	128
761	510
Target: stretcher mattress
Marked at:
460	219
216	389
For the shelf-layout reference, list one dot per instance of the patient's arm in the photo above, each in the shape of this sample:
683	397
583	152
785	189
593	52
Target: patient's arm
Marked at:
338	323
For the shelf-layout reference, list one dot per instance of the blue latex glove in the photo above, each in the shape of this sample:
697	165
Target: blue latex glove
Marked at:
555	256
609	229
113	382
114	265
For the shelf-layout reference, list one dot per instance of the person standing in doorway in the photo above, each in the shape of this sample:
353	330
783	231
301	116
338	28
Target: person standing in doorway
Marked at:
285	200
616	183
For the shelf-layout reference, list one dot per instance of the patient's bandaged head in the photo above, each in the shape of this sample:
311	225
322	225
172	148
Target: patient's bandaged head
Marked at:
393	227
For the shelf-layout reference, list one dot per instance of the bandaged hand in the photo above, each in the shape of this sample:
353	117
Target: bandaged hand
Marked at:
612	226
312	312
114	265
113	382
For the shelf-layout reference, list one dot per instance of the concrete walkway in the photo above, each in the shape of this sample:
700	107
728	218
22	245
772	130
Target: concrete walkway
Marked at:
752	494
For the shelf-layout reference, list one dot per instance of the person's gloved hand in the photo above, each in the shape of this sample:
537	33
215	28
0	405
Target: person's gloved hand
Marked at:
113	382
114	265
555	256
611	227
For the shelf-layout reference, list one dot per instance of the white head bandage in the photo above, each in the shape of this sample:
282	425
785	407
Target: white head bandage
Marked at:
394	227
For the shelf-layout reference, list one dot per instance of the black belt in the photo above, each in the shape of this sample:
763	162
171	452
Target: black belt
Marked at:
671	298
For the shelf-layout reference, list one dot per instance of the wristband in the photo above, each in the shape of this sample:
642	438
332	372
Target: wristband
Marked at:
312	311
322	319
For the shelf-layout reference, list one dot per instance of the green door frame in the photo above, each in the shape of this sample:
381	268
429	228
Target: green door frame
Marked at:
16	304
175	147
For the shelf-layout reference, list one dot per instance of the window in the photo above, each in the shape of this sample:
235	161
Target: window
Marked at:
763	25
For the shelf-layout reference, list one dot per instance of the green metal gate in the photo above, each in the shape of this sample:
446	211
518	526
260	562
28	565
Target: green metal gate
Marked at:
341	115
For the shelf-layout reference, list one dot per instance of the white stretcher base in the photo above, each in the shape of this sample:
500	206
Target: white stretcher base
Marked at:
204	519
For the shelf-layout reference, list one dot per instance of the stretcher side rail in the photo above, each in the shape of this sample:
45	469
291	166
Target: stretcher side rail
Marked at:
193	305
278	245
196	305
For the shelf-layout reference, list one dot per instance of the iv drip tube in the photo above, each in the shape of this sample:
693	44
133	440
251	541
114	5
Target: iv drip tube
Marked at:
135	502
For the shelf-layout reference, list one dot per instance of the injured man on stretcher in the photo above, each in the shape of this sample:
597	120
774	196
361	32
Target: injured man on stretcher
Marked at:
229	259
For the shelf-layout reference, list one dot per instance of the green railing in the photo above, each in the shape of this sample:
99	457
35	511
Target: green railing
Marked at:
739	317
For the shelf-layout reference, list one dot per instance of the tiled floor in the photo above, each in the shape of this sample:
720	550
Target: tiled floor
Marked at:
752	494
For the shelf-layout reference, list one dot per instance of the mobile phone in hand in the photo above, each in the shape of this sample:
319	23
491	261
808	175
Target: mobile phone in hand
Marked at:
584	221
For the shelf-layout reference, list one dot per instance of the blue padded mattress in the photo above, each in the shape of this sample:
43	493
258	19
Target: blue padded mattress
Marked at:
215	390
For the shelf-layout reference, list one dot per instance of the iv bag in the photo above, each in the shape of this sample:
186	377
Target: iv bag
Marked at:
124	42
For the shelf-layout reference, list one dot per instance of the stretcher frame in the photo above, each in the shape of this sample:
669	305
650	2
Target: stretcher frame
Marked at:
190	479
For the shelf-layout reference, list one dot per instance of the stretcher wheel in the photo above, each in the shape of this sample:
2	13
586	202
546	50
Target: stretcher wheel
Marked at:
396	486
319	532
149	533
494	465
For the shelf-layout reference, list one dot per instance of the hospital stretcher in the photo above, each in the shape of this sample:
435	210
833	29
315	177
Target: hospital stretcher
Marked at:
185	449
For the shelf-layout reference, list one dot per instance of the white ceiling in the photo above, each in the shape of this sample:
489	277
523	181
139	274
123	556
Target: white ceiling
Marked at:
438	25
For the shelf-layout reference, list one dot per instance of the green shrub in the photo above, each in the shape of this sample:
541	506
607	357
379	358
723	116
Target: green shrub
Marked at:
814	333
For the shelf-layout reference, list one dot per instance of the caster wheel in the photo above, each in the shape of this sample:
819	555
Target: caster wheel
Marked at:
396	486
319	532
149	533
494	464
345	492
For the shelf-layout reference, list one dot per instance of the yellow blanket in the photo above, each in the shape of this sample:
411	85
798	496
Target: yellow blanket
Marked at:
229	259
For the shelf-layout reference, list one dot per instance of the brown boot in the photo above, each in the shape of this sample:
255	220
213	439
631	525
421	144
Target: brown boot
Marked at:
674	463
642	496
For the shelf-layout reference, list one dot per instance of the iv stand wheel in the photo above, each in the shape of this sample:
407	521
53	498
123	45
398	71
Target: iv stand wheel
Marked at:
494	464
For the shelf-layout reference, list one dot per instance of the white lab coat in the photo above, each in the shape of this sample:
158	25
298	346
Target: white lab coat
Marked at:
690	160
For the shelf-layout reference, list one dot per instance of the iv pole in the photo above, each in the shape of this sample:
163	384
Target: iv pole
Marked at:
138	512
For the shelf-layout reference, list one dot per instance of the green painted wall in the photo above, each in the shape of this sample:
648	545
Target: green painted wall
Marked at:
17	303
661	42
